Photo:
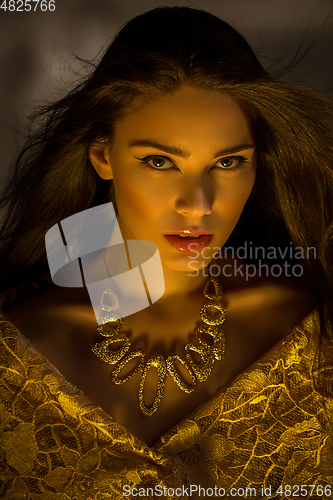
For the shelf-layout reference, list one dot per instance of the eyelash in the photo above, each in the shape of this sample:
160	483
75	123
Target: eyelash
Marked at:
146	159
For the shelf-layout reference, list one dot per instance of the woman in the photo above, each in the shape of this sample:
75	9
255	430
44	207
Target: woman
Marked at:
198	148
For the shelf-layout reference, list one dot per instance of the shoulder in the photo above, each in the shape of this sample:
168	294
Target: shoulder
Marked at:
50	315
264	306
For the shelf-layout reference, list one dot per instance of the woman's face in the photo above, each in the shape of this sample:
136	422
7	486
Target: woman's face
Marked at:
183	167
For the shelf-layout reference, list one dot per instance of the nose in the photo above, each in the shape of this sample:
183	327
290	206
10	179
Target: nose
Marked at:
195	198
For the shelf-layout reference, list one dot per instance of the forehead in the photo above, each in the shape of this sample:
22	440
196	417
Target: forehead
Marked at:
187	115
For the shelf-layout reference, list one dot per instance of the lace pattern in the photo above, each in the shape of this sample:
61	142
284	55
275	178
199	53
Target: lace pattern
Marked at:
268	428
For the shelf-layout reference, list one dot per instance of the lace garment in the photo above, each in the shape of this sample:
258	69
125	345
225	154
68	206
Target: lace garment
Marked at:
270	428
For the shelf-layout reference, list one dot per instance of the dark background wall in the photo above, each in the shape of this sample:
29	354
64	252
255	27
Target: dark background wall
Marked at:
38	49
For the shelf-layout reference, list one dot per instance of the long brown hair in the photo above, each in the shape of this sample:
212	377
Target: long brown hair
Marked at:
158	52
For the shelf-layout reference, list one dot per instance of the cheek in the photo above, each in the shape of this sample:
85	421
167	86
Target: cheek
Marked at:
134	198
237	194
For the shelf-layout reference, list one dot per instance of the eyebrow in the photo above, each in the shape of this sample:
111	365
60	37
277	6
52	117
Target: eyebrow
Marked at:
183	153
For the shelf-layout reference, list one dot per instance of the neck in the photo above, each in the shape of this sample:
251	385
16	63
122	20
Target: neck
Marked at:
184	283
165	285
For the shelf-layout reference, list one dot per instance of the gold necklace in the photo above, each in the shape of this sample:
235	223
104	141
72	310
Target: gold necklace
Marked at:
198	372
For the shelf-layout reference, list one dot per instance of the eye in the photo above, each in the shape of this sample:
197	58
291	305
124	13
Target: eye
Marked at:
158	162
231	162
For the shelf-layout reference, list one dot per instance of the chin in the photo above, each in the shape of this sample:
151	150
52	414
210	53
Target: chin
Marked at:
192	266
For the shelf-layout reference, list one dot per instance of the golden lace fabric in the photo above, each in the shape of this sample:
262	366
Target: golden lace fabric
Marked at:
270	427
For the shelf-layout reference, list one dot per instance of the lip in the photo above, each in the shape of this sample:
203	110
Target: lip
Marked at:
191	232
201	239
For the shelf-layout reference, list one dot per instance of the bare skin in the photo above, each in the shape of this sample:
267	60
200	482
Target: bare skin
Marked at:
61	325
184	162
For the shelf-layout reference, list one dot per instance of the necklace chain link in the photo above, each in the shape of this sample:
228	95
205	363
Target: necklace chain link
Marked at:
198	372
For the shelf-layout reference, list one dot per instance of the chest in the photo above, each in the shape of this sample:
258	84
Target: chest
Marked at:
253	326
